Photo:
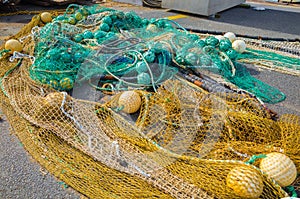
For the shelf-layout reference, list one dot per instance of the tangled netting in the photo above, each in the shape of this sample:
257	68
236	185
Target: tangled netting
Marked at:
272	54
190	137
132	51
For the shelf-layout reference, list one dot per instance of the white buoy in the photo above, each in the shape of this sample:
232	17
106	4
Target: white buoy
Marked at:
239	46
230	35
219	37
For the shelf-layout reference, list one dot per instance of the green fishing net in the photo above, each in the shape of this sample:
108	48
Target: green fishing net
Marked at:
123	50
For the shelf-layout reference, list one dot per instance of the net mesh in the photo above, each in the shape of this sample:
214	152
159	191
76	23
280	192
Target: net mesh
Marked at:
189	129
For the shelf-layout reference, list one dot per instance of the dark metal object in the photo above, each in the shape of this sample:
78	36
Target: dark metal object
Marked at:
9	5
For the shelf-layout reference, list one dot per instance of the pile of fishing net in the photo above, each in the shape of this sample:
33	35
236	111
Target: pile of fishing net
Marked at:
118	106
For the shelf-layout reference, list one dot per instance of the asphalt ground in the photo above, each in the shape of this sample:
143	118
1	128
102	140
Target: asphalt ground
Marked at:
21	177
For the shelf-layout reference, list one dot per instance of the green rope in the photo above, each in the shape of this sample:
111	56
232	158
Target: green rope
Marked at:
63	184
2	52
292	190
255	157
118	109
276	59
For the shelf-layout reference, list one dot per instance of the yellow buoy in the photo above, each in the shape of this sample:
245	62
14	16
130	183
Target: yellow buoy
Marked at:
46	17
131	101
280	168
13	45
245	182
50	105
53	99
66	83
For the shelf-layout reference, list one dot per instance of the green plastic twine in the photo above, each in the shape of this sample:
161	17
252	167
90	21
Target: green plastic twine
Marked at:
63	184
2	52
277	59
292	190
255	157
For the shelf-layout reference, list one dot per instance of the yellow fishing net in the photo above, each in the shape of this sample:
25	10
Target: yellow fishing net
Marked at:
184	142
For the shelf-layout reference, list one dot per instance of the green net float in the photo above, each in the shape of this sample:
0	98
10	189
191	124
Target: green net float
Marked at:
53	53
179	58
53	83
145	22
72	20
78	16
141	67
100	34
111	36
100	40
210	50
107	20
104	27
160	23
168	26
152	20
60	18
193	37
120	15
78	38
211	41
66	57
191	59
129	15
225	44
136	18
114	17
78	57
143	78
84	11
66	83
123	26
149	56
65	21
87	34
232	54
201	43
